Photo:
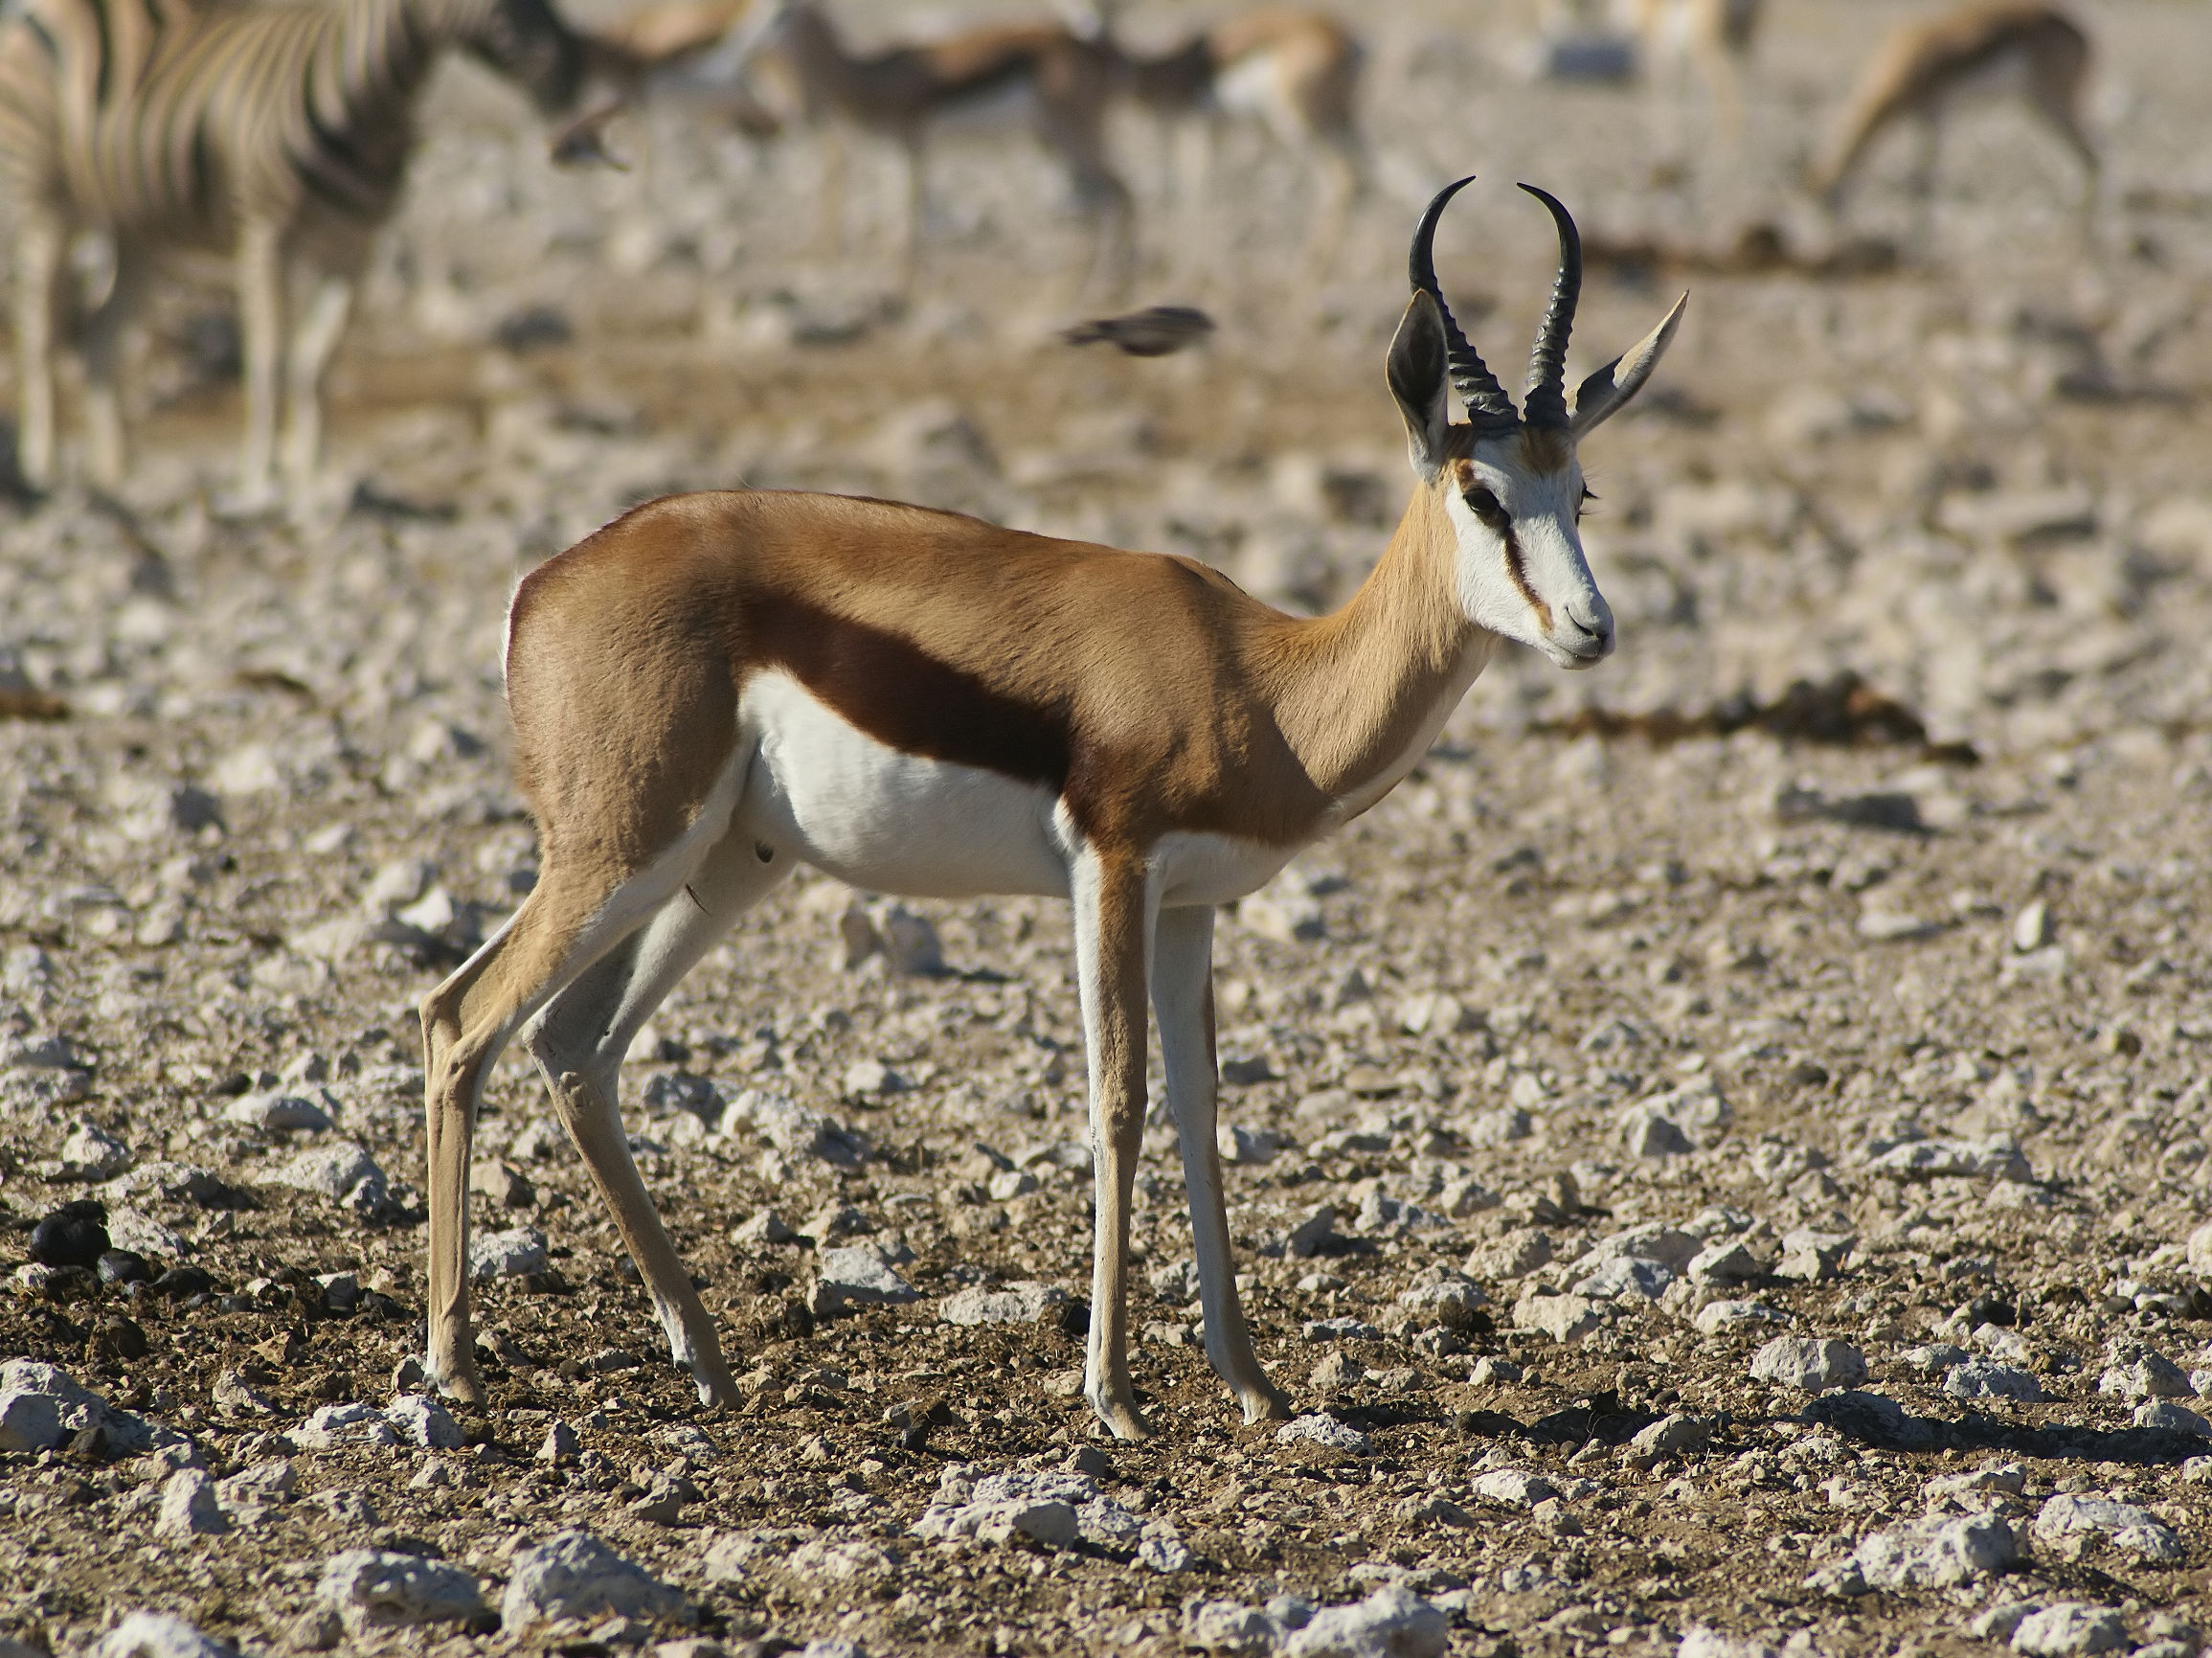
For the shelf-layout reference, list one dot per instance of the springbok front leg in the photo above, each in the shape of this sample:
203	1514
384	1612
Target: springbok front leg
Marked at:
1112	913
578	1043
1183	999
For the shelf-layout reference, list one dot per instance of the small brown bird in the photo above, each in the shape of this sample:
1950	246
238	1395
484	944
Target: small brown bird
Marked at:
1154	332
584	142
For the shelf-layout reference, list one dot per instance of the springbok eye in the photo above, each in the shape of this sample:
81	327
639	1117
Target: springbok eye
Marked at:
1486	506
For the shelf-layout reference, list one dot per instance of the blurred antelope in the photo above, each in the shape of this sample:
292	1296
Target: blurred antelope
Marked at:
718	689
1713	36
1295	73
2030	52
1059	80
276	133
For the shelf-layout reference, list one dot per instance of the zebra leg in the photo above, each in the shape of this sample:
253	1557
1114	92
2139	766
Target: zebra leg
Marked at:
262	326
104	451
39	245
313	339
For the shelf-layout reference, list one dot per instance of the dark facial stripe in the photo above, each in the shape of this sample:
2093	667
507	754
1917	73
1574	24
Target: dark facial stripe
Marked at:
1517	568
906	699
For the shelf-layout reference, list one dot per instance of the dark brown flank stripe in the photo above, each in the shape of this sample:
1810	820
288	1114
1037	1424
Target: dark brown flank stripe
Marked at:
905	698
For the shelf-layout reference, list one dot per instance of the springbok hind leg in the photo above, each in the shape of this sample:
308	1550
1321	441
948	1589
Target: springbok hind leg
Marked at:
578	1043
572	919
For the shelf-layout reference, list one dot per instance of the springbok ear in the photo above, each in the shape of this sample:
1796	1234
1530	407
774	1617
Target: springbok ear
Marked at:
1602	394
1417	368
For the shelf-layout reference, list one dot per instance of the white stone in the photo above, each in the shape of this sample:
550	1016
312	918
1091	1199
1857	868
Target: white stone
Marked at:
329	1428
372	1589
1564	1318
2201	1250
1937	1553
508	1254
135	1230
418	1420
1668	1246
275	1111
574	1575
1514	1488
1715	1316
342	1172
2150	1376
997	1508
1646	1131
1981	1378
1391	1623
2173	1417
795	1130
1230	1627
1010	1304
1812	1257
158	1635
857	1275
41	1409
1324	1430
1726	1261
189	1506
2069	1628
1670	1434
1968	1158
91	1153
2128	1527
1809	1364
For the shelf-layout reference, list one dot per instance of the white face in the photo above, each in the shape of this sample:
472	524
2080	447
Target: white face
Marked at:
1522	569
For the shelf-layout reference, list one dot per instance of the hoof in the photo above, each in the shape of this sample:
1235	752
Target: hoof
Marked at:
464	1387
1121	1417
1269	1406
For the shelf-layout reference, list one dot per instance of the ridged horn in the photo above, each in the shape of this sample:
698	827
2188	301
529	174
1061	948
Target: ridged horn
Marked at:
1488	407
1546	395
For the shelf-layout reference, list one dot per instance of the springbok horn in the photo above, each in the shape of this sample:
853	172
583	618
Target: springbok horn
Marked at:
1546	395
1488	407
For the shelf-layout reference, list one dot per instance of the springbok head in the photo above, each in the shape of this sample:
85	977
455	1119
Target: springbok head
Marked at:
1508	479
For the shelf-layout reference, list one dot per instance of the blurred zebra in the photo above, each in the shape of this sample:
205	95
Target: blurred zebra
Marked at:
275	131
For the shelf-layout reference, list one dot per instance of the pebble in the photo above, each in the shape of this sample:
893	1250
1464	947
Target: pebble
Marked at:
857	1275
1391	1623
1230	1627
1648	1133
92	1153
767	1227
2173	1417
1564	1318
797	1130
342	1173
1670	1435
1010	1304
1979	1378
1324	1430
190	1507
511	1253
329	1428
1715	1316
2150	1376
1812	1257
1967	1159
74	1235
1727	1261
1937	1553
2068	1628
119	1267
1336	1372
422	1420
275	1112
372	1589
561	1447
42	1409
574	1575
1045	1508
1514	1488
1809	1364
2127	1527
158	1635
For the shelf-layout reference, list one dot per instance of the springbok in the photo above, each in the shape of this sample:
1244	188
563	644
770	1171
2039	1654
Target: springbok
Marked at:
1059	80
1296	73
717	688
1713	36
2032	52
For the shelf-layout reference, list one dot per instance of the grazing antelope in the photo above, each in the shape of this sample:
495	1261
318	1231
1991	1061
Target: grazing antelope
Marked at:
903	92
1296	73
715	688
277	132
2033	52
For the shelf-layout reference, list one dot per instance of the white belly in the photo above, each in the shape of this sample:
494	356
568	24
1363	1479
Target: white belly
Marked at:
1251	88
888	822
1210	869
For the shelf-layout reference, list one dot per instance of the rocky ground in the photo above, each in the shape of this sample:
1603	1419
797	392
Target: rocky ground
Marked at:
1716	1157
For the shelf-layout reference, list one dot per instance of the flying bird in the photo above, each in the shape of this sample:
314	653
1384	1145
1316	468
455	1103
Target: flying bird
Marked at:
1154	332
584	142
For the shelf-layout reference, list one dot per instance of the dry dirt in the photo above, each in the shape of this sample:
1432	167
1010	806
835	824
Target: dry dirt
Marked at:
1897	980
